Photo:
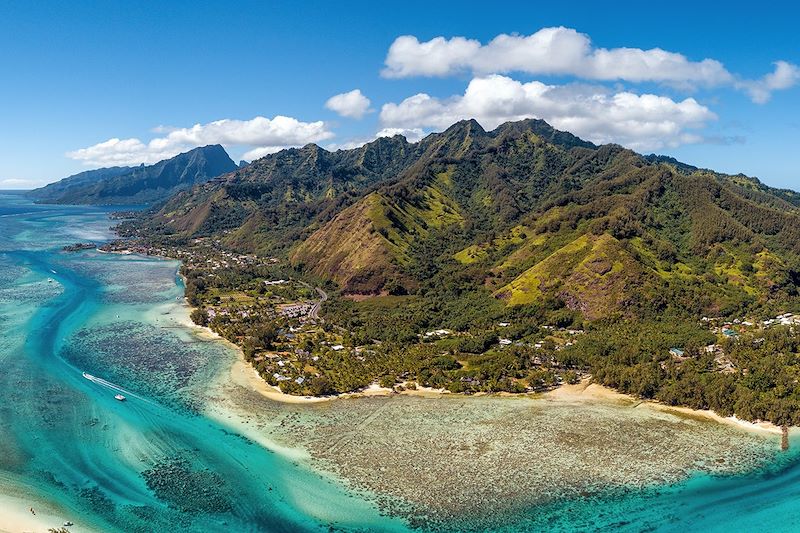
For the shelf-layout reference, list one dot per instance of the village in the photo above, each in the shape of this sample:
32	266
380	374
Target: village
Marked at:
731	330
258	304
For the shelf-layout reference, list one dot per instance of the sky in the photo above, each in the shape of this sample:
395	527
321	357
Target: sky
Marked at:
95	84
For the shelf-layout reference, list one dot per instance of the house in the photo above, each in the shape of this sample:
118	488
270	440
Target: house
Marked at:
337	347
300	380
676	352
505	342
438	333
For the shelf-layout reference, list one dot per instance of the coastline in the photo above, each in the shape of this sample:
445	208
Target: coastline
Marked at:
592	391
245	374
17	517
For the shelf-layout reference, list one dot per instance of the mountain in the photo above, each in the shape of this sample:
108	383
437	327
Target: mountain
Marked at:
139	185
76	182
525	214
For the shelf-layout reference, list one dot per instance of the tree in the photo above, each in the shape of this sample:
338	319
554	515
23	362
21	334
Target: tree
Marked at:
200	317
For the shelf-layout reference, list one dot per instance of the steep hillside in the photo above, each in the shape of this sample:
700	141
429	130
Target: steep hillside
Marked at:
366	247
271	202
525	214
140	185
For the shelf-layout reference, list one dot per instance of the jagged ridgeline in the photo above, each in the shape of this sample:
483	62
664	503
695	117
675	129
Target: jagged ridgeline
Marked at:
138	185
523	214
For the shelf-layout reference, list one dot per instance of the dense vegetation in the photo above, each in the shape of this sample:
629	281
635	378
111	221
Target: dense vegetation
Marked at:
528	227
634	358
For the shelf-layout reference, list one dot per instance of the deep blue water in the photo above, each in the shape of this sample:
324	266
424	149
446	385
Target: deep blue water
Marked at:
157	463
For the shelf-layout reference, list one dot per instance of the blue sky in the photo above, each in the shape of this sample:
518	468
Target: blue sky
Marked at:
87	84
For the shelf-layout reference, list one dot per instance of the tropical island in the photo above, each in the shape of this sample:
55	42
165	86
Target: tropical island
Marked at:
506	261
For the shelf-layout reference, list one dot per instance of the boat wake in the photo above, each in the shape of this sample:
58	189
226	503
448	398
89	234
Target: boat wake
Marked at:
111	386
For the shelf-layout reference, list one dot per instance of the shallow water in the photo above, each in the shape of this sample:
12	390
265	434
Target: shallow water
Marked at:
152	462
171	458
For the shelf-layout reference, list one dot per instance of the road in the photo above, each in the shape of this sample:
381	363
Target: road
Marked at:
314	313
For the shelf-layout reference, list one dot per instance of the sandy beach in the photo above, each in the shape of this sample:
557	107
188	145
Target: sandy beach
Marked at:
16	516
244	374
591	391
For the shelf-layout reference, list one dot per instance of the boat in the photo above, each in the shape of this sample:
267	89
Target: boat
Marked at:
88	376
119	397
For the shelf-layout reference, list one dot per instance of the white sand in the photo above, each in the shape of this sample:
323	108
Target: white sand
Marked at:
586	391
16	517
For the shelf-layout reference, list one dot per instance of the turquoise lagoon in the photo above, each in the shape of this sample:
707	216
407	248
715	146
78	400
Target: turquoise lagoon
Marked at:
161	462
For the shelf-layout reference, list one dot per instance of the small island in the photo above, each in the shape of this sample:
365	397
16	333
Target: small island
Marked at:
79	246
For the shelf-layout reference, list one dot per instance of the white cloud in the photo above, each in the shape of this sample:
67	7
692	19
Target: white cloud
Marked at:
412	135
351	104
261	151
641	122
348	145
784	76
263	135
557	51
563	51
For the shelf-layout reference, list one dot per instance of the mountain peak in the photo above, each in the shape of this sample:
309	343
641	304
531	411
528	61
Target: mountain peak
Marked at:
142	184
542	129
468	126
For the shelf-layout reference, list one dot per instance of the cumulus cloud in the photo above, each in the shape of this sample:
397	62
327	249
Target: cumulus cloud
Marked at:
566	52
784	76
263	135
351	104
558	51
638	121
412	135
349	144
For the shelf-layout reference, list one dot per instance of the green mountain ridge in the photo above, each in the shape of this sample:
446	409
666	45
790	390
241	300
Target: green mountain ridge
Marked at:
138	185
530	214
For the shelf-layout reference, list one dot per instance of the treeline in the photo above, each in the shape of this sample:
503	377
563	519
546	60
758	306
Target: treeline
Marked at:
634	358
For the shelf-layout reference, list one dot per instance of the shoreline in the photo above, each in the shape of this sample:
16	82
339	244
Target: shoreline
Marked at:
17	517
592	391
243	373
